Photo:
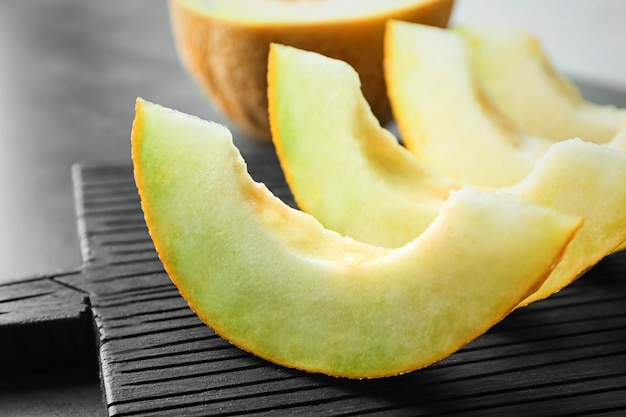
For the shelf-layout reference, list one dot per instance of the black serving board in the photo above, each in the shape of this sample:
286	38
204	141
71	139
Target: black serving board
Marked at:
45	325
565	355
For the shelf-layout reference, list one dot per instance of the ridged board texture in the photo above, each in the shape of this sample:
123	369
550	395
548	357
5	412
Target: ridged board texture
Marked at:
564	356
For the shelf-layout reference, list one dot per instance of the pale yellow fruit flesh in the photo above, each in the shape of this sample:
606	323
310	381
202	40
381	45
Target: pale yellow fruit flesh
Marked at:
224	46
294	11
320	121
273	281
619	142
330	145
586	179
518	76
442	115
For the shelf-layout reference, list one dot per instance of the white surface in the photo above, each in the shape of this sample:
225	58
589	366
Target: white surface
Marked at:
585	39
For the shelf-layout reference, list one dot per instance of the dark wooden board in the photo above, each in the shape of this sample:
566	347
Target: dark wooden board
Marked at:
45	325
562	356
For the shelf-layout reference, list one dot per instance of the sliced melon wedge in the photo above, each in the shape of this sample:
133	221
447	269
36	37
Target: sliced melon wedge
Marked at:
587	179
442	114
517	75
331	145
274	282
342	166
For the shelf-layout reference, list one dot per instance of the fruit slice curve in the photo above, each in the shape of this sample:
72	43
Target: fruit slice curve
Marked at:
337	158
586	179
223	44
443	116
331	145
273	281
517	75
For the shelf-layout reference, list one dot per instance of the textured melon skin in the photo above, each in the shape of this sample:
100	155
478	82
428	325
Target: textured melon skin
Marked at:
228	58
387	197
273	281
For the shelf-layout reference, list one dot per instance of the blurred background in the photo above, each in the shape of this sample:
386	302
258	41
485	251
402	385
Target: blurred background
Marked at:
69	74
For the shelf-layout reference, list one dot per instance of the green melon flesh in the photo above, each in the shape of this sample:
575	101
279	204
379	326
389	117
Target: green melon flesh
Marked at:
331	139
335	132
273	281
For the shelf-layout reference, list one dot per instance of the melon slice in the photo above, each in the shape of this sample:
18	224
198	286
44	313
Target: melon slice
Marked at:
337	159
442	114
517	75
223	45
342	166
588	179
273	281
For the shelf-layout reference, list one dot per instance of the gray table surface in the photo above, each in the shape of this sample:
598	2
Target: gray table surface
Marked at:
70	71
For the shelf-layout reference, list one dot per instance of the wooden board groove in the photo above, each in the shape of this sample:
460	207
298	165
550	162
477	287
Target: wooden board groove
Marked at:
562	356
